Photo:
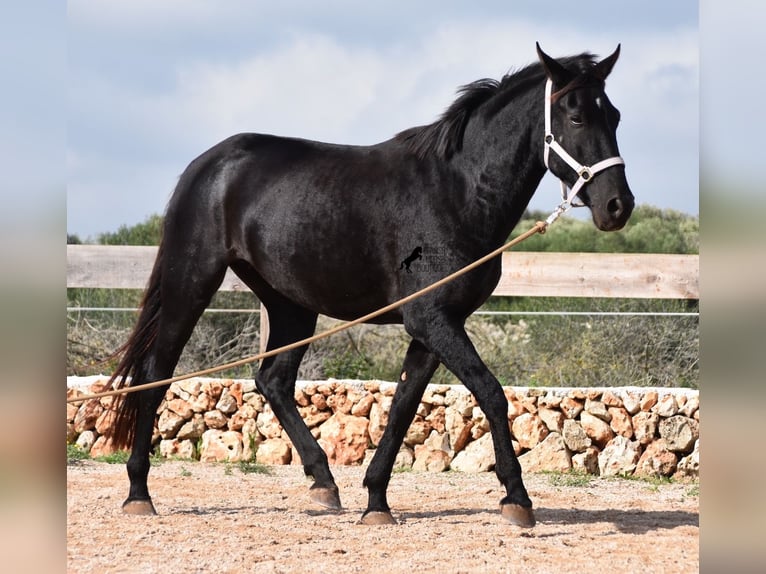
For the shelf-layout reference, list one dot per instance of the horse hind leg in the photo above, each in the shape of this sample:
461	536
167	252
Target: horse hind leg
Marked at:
276	377
184	296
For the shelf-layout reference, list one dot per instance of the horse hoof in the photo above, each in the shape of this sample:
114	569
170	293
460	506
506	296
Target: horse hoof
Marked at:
377	518
139	507
327	497
518	515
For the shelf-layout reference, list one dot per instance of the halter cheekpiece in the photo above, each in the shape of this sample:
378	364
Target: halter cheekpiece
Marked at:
585	173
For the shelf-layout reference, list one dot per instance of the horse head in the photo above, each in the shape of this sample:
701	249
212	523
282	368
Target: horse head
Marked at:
581	142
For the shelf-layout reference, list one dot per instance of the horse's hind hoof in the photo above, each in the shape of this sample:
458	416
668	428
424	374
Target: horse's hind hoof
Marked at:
518	515
377	518
139	507
326	497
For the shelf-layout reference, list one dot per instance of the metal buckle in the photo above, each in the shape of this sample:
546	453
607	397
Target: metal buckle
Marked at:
585	173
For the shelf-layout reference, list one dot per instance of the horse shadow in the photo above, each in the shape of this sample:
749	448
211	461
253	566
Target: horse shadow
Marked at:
625	521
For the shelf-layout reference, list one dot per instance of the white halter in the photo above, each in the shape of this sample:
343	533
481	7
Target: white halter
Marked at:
585	173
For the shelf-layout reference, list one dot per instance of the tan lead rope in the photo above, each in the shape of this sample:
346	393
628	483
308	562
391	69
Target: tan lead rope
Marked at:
539	227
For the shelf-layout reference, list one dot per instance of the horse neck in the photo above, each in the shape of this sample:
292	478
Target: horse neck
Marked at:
502	162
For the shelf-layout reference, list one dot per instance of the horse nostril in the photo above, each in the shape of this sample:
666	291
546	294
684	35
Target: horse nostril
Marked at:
615	207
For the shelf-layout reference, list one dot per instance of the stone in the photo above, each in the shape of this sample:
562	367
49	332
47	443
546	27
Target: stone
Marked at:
611	400
597	409
437	418
619	457
192	429
312	416
227	404
169	423
649	399
458	428
174	448
620	422
515	409
405	458
460	400
432	397
213	389
251	439
657	460
235	390
87	415
666	406
632	402
319	401
586	461
597	429
244	413
215	419
103	447
181	407
550	454
549	401
339	403
344	438
379	419
680	433
575	436
201	403
438	441
220	446
418	432
645	426
552	419
273	451
691	405
268	424
363	406
428	460
105	421
689	466
477	456
571	407
529	430
480	423
86	440
188	388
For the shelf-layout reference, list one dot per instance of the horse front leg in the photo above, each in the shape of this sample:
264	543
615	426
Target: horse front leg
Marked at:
418	368
448	340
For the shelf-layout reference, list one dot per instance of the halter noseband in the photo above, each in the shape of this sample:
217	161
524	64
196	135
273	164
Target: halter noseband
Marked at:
585	173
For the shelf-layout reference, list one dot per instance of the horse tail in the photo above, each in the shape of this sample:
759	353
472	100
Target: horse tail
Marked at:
131	368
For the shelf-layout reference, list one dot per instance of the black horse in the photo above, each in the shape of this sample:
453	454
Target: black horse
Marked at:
320	228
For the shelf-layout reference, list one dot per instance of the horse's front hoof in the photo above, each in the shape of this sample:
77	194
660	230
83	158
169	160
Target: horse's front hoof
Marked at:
377	518
326	497
139	507
518	515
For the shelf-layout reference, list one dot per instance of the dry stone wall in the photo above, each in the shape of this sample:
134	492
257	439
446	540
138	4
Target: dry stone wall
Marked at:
602	431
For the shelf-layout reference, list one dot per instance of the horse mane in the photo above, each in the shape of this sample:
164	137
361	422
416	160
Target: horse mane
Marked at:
444	137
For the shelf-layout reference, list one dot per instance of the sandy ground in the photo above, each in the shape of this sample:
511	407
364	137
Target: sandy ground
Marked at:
214	518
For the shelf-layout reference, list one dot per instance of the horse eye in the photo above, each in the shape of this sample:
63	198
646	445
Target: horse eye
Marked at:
576	120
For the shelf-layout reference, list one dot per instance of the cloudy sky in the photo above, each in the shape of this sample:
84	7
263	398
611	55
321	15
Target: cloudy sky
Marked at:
151	84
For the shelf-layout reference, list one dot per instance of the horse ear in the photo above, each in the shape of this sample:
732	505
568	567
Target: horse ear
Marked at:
557	73
604	67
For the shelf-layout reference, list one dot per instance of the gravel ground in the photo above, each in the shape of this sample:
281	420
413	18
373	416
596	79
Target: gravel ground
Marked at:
214	518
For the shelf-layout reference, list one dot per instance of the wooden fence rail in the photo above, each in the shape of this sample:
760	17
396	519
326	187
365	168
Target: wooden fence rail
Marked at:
533	274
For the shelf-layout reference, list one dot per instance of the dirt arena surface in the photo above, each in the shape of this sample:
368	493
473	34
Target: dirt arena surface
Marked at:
214	518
